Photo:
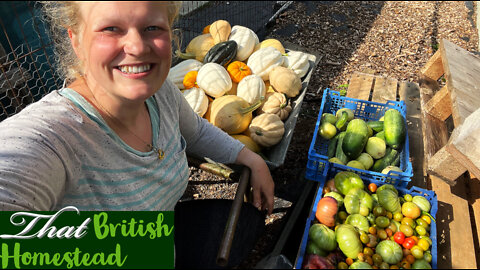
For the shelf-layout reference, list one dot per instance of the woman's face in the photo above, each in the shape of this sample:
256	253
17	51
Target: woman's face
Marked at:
125	47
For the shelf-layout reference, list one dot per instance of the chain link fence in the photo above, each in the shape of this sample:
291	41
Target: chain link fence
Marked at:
27	65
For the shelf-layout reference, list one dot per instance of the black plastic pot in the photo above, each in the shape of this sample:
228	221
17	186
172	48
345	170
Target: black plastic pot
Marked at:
199	229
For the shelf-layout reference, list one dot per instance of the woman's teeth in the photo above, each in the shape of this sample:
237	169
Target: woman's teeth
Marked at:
134	69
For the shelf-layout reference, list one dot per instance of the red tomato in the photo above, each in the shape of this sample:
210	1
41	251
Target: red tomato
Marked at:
408	243
399	237
372	187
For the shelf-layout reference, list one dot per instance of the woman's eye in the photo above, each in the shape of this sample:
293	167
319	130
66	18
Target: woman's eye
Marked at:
152	28
110	28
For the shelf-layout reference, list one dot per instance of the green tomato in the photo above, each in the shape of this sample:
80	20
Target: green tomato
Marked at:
327	130
364	238
408	221
364	211
342	215
417	252
348	240
421	230
379	211
312	248
382	234
377	259
427	256
398	216
408	197
407	230
323	237
357	198
423	223
382	221
345	181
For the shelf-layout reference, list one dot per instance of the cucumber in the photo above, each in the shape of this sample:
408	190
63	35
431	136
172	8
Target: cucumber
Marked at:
394	127
332	146
370	131
387	160
356	137
339	151
351	115
380	135
328	117
342	121
377	126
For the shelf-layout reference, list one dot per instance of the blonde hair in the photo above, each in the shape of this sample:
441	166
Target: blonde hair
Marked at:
62	15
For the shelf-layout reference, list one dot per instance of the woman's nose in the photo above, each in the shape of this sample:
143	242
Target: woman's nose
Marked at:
135	43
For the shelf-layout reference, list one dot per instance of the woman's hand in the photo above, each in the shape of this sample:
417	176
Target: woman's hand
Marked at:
260	179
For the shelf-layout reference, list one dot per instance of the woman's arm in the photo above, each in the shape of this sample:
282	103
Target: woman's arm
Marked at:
260	179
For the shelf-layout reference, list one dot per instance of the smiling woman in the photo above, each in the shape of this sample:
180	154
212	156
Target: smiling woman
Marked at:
116	137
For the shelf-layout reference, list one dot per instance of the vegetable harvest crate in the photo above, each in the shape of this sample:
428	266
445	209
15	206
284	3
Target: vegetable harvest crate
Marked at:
365	110
330	172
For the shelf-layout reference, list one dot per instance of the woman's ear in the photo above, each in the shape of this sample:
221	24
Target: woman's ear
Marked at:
74	40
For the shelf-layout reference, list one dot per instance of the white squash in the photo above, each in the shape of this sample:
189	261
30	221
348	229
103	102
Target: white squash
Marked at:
197	99
297	61
251	88
214	80
267	129
246	40
276	103
178	72
264	60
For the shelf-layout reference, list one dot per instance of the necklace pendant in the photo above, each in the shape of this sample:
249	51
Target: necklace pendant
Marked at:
161	154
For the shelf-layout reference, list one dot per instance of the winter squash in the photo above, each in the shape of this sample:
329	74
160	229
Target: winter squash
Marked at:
297	61
251	88
197	99
222	53
285	80
245	39
267	129
264	60
206	29
233	90
178	72
271	42
232	114
238	70
190	79
276	103
220	31
214	80
248	142
197	48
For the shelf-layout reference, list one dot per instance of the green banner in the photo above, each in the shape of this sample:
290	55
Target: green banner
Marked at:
70	239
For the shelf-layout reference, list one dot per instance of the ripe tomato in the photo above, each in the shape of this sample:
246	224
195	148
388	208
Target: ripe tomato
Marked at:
372	187
424	244
399	237
408	243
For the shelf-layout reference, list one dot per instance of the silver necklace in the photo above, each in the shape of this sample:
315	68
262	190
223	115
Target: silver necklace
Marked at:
160	152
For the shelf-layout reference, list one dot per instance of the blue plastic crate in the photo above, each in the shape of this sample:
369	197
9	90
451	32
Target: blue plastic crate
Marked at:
368	111
331	171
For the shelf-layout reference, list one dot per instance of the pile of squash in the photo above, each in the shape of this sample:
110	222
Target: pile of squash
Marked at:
239	84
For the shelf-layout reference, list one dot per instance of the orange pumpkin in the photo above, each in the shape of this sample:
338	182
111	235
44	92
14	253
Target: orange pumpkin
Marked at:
238	70
190	79
206	30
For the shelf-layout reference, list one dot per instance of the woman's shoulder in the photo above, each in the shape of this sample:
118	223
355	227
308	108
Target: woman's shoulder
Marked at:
51	111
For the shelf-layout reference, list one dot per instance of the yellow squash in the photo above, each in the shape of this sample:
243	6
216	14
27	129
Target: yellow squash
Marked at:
231	113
